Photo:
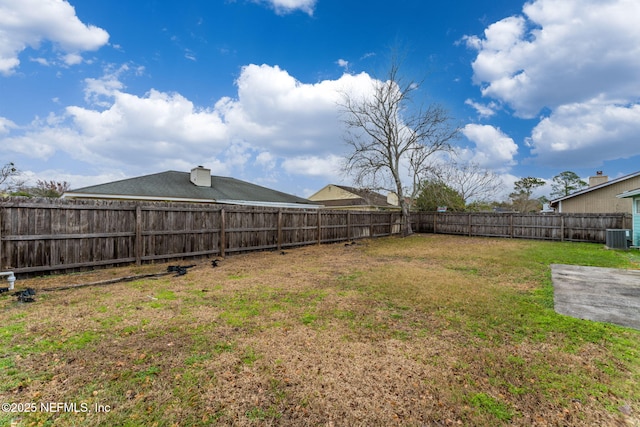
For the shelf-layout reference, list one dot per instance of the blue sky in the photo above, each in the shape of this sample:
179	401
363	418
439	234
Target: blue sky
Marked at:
92	91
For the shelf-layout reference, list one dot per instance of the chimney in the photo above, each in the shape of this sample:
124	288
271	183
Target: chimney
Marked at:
392	199
598	179
201	176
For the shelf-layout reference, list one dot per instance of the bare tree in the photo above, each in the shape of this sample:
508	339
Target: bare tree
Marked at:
50	188
473	182
7	173
390	141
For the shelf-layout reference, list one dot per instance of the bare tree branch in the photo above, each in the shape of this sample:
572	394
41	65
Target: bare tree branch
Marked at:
389	140
473	182
7	173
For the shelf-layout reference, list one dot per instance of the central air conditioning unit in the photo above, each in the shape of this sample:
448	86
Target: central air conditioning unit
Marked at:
618	239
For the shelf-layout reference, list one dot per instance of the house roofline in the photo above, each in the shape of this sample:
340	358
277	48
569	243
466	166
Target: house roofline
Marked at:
630	193
595	187
72	195
361	207
269	204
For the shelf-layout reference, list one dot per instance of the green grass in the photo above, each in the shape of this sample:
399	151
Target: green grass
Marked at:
308	318
146	374
61	343
503	316
438	327
262	414
165	294
491	405
249	356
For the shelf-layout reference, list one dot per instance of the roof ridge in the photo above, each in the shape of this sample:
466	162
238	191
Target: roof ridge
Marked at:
171	185
595	187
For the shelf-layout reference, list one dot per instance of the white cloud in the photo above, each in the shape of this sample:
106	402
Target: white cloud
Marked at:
39	143
327	167
146	129
76	180
72	58
139	133
101	91
190	55
559	53
41	61
266	160
283	7
274	125
586	134
579	62
26	23
274	120
343	63
494	149
275	112
6	125
482	110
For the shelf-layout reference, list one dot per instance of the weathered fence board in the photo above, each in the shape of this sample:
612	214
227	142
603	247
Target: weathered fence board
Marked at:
559	227
44	235
38	236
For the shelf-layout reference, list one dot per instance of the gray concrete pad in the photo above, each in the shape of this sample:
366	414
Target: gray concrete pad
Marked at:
602	294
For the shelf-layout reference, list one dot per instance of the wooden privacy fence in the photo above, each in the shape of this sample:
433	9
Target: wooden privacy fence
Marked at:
560	227
44	235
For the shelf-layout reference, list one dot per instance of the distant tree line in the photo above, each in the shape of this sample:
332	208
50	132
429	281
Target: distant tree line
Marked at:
468	187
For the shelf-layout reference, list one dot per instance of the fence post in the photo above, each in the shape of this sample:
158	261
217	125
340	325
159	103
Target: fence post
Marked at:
371	224
138	243
469	225
2	264
435	222
319	228
279	229
148	223
511	226
223	239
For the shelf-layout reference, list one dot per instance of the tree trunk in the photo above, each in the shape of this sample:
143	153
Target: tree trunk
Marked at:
406	219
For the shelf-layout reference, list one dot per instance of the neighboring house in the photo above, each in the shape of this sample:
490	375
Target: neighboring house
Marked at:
197	187
600	196
342	197
634	197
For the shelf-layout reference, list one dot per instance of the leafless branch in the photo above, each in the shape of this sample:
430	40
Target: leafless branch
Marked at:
472	181
387	136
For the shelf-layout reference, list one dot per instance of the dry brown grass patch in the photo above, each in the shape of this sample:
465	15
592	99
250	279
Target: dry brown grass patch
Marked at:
395	331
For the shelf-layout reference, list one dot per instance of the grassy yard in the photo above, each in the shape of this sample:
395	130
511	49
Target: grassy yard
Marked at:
427	330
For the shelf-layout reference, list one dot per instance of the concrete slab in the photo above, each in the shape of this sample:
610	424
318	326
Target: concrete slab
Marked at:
602	294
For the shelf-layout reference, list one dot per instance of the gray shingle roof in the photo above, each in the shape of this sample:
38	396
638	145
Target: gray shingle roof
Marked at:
173	184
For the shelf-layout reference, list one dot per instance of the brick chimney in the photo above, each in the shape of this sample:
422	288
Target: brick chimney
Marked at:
201	176
598	179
